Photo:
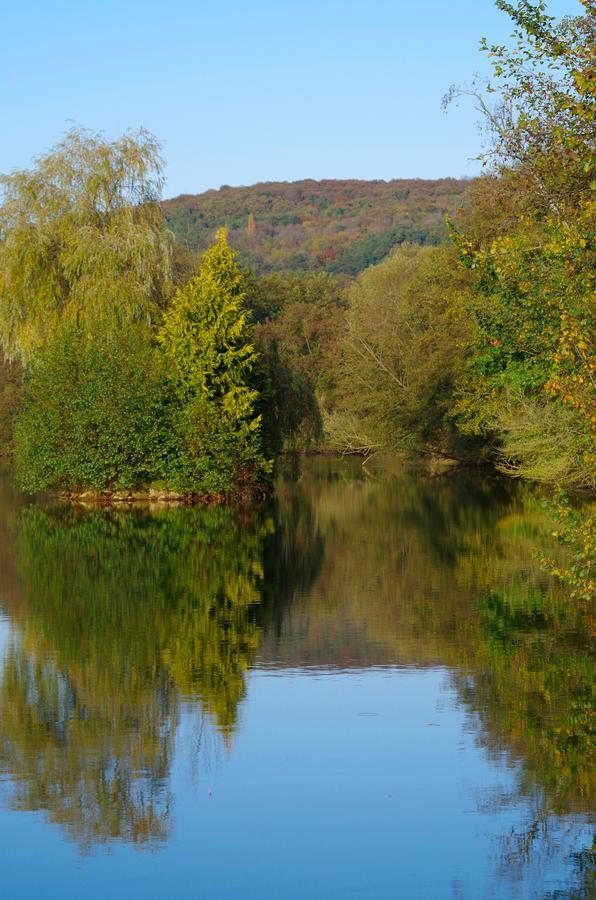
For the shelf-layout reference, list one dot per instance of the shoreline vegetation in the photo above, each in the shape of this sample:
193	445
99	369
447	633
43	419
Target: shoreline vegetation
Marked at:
134	362
431	466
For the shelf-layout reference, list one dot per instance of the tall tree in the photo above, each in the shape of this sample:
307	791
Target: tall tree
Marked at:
531	249
82	235
206	337
403	350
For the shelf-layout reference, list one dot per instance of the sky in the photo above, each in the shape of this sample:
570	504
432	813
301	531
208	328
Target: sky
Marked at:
240	92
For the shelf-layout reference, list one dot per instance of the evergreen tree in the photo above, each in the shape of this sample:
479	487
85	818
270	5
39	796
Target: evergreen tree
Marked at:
206	339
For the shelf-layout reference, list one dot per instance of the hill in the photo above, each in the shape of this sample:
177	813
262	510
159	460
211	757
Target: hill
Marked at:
340	226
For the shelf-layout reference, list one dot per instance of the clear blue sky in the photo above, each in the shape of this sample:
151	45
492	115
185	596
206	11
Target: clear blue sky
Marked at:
245	91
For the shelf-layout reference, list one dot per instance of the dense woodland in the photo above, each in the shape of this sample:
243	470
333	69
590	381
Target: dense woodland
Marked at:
334	226
136	361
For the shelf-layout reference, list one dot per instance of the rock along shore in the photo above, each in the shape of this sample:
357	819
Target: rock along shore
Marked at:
244	495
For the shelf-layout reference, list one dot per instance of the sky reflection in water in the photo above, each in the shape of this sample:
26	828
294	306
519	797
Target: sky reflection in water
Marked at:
366	690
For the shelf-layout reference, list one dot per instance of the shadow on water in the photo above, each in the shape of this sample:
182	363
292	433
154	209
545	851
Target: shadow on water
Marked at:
119	619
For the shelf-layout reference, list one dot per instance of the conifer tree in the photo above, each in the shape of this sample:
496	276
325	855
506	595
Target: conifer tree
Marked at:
207	342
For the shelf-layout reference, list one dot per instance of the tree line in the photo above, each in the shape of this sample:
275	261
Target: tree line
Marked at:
131	361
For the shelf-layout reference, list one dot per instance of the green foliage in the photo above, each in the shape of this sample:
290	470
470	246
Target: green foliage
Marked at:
370	249
530	383
82	236
99	410
403	351
300	320
11	377
575	528
206	340
95	412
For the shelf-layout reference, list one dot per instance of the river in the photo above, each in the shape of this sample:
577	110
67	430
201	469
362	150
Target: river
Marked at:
367	688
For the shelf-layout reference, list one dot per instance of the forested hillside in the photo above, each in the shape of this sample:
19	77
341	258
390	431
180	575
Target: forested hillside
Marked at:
339	226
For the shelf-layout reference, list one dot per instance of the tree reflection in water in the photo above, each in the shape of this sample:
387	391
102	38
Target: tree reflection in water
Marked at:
121	616
126	613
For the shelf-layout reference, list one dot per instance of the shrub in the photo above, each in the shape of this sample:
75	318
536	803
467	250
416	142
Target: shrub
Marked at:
95	413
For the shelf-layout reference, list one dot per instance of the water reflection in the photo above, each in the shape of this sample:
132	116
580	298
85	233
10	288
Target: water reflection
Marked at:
120	619
123	614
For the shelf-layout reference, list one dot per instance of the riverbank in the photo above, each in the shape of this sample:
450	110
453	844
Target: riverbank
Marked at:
240	496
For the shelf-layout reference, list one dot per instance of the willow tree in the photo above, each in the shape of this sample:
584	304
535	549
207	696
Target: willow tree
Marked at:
206	338
82	235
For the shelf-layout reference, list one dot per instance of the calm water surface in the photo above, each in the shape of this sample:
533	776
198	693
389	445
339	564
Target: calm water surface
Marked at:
368	689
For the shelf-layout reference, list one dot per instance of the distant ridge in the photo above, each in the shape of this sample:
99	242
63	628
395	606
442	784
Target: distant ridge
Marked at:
341	226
